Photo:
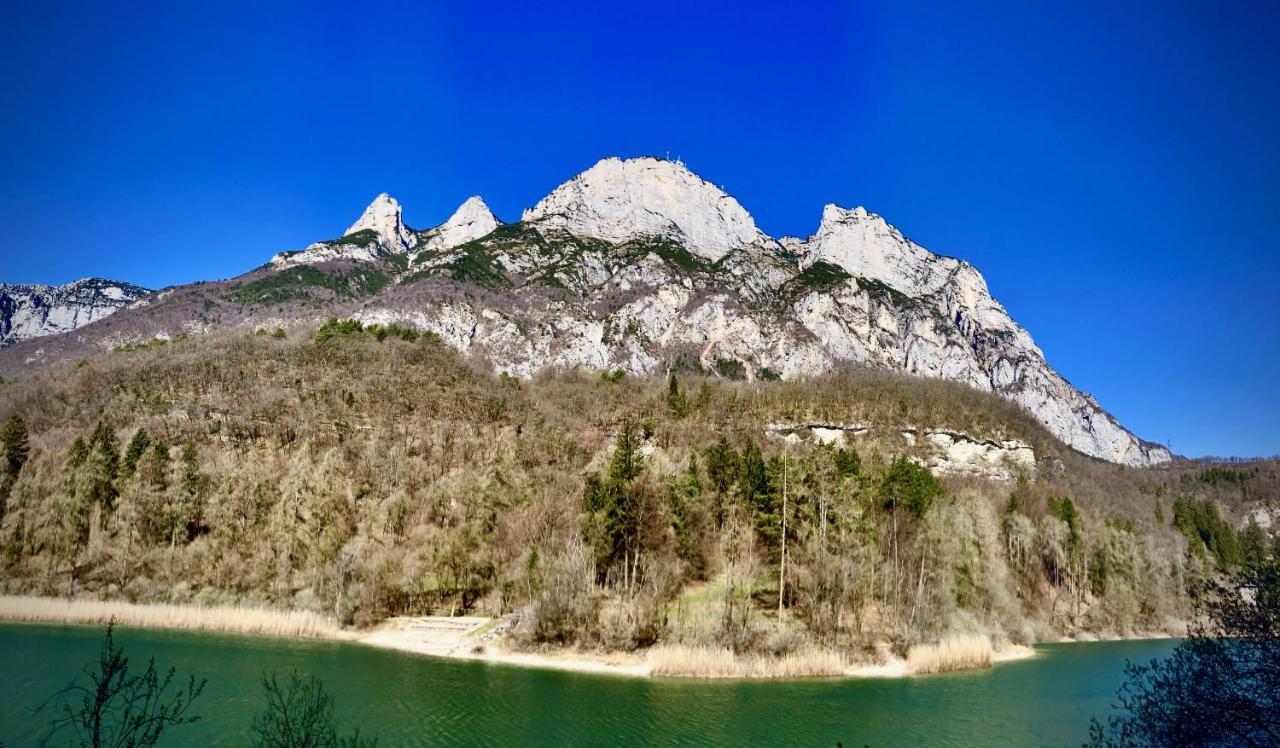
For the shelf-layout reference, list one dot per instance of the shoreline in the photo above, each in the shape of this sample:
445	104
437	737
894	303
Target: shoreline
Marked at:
463	639
231	619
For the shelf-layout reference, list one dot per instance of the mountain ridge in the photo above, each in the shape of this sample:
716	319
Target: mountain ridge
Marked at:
640	264
32	310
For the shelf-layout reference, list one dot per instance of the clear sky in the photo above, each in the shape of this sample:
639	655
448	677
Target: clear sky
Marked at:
1112	169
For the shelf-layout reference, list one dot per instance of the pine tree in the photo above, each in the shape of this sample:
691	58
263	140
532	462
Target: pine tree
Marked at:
626	463
77	453
754	478
676	401
133	453
104	466
70	517
722	465
612	523
847	462
686	490
154	468
151	488
184	511
14	440
909	486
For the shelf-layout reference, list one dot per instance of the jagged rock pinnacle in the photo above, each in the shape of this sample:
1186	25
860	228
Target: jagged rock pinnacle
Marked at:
618	200
385	218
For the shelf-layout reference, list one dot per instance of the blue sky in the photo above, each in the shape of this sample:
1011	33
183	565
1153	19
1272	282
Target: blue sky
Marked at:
1112	169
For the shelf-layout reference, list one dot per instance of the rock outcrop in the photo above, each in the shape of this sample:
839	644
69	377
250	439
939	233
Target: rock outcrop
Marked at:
619	200
943	451
472	220
34	310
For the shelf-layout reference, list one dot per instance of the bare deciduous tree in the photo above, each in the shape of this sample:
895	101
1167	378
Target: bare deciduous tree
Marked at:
117	708
299	714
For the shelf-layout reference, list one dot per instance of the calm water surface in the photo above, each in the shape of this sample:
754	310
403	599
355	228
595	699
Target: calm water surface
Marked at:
410	700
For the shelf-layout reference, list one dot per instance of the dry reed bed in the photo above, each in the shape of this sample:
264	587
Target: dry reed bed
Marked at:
234	619
680	661
955	652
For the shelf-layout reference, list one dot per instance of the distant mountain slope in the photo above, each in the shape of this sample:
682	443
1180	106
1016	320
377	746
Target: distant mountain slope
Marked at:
639	264
34	310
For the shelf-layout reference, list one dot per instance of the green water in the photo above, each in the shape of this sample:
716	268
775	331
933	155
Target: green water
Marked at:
411	700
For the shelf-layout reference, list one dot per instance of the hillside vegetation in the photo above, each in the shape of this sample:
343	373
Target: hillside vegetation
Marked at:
366	472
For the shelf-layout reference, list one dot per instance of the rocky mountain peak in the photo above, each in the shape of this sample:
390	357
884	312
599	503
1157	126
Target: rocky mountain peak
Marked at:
622	199
385	218
469	222
864	244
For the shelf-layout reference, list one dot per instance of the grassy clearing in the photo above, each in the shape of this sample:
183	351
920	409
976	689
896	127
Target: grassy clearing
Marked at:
954	652
240	620
716	662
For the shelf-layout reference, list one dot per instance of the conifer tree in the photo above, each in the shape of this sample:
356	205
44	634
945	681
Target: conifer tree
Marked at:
104	466
754	479
69	518
612	520
676	401
133	453
14	440
77	453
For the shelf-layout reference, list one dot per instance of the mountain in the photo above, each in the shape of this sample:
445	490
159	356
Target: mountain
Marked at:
641	265
34	310
618	200
380	233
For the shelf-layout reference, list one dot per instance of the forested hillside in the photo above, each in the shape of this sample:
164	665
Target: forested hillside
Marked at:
373	471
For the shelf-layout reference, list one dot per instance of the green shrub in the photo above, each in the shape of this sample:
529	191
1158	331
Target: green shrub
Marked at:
730	368
361	238
819	276
1222	475
298	283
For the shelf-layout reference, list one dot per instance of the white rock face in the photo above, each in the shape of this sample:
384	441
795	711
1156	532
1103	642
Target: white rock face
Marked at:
469	222
619	200
864	245
992	352
958	453
33	310
945	452
385	218
1264	516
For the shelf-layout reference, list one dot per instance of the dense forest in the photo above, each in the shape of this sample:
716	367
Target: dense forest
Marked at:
368	471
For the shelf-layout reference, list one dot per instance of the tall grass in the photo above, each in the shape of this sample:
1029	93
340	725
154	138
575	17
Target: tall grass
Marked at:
679	661
240	620
954	652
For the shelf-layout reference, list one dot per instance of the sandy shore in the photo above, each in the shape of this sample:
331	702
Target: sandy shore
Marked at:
471	638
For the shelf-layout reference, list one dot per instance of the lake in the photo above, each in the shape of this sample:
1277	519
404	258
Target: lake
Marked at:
412	700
